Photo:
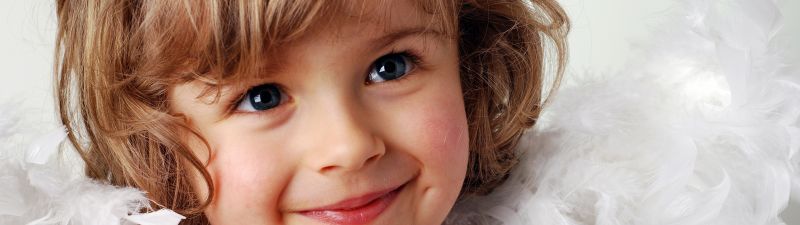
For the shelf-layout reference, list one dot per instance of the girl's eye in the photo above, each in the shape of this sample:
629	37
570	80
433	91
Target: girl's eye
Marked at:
260	98
390	67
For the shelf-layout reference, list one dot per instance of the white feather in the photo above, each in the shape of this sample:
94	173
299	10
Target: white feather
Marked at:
38	188
159	217
702	128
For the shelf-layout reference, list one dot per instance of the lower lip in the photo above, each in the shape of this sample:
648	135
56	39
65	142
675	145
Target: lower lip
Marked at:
355	216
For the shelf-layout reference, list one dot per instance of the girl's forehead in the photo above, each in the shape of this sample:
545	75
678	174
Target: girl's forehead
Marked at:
344	42
375	22
375	19
231	45
365	22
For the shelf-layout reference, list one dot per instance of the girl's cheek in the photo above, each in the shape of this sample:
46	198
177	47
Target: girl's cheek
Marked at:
246	177
445	133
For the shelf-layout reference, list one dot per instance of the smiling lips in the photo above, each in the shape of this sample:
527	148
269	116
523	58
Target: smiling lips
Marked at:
355	211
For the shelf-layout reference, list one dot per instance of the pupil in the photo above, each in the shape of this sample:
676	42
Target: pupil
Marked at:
391	67
265	97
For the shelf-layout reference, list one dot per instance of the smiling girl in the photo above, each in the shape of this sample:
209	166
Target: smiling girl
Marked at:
305	112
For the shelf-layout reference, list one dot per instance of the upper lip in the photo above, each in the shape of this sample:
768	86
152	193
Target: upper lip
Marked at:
355	202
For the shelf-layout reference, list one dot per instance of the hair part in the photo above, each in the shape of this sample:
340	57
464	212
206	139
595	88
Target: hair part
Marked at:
115	61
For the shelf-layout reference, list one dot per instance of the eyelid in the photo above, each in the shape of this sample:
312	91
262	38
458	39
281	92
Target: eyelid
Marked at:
267	114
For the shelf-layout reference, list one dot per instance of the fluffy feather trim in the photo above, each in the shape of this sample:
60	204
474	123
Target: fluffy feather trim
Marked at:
36	188
701	129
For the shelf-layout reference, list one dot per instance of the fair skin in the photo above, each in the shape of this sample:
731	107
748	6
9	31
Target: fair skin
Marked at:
329	124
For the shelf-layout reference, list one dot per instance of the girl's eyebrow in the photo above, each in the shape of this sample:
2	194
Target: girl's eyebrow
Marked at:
398	34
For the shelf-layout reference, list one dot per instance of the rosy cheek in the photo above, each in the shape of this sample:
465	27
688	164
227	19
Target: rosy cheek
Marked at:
246	178
232	178
445	136
241	173
446	139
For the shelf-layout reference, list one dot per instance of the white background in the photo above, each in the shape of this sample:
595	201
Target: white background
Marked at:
599	41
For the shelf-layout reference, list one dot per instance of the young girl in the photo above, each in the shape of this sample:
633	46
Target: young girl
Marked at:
305	112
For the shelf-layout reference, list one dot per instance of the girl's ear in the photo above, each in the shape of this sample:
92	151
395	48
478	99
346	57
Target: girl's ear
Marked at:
502	50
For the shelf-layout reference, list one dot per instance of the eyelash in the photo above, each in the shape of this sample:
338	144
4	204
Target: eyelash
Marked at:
412	56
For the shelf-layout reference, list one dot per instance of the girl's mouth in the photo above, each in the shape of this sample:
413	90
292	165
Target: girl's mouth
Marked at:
355	211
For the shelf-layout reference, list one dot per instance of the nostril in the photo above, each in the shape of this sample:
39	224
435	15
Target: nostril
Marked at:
372	158
364	163
327	168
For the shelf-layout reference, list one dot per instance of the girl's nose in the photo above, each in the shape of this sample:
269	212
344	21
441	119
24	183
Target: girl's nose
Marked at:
341	140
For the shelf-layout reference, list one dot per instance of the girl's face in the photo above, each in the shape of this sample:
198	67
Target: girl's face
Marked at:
358	123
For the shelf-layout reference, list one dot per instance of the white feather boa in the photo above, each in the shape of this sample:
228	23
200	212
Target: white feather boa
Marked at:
702	129
40	186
